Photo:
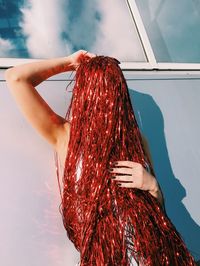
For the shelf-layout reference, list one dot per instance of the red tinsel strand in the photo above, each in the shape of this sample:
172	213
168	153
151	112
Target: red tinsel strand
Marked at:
108	224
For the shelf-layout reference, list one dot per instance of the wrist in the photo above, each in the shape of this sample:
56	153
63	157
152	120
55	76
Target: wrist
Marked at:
154	186
155	191
71	62
68	63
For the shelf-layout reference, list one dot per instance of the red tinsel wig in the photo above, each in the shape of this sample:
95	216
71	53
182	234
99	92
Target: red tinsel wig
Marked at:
106	223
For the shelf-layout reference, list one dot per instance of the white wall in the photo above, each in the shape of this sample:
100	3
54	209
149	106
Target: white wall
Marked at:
31	228
168	109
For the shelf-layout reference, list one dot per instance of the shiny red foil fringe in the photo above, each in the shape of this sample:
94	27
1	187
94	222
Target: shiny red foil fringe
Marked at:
109	224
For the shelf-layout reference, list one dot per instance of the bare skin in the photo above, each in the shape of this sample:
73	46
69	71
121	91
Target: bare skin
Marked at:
23	79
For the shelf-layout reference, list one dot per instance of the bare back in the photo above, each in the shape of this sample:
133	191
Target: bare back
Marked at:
62	147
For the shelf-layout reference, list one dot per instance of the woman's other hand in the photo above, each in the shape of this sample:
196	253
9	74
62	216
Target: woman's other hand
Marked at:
133	175
77	57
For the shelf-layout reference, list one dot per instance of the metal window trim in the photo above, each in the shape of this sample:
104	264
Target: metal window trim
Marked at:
160	66
142	33
9	62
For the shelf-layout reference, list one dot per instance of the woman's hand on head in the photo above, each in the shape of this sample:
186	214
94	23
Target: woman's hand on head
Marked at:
133	175
77	57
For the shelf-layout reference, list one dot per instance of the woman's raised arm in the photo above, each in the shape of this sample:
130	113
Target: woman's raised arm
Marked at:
23	79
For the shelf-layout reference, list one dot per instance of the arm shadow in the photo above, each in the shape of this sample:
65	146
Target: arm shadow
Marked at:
149	116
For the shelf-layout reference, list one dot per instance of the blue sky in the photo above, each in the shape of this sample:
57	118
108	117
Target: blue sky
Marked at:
50	28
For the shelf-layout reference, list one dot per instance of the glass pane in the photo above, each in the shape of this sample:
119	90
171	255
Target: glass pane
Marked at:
173	29
49	28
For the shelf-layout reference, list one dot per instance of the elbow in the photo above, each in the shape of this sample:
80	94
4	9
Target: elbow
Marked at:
12	75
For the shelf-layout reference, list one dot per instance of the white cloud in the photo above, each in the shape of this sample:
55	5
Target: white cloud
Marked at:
42	23
117	36
6	47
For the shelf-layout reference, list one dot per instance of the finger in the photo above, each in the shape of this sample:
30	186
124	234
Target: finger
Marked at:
89	54
126	163
125	178
121	170
128	185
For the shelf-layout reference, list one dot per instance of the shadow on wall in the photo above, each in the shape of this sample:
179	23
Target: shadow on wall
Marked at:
153	129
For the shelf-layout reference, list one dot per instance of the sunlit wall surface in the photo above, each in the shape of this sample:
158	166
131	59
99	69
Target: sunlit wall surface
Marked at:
49	28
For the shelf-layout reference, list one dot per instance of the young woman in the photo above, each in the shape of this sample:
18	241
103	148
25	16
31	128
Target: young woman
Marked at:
23	79
108	224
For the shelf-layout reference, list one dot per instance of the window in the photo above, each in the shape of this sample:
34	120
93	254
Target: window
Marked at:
173	29
143	34
44	29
